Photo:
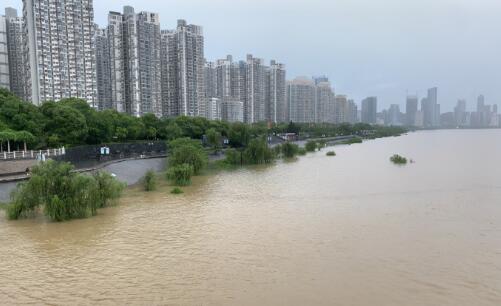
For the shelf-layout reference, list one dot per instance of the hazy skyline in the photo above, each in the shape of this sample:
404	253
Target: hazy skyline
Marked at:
367	48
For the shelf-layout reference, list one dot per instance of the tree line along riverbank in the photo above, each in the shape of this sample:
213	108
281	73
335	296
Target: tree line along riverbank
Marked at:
63	194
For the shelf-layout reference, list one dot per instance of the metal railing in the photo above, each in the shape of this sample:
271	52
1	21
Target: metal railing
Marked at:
32	154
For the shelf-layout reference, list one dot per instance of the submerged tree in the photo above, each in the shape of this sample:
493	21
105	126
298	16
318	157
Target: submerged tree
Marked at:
63	193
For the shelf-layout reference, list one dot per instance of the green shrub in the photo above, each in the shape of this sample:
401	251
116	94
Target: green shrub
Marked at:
302	151
331	153
399	160
352	140
311	146
233	157
180	174
150	181
176	190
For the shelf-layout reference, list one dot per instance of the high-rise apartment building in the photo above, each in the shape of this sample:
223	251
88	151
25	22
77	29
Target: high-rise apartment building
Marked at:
411	109
369	110
301	99
4	55
16	48
60	50
210	80
276	103
255	101
431	109
103	69
182	63
116	46
128	63
325	101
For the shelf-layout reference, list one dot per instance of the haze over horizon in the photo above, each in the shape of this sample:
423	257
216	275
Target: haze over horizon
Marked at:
367	48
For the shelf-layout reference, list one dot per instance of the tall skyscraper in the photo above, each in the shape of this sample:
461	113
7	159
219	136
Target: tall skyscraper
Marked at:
369	110
128	60
276	104
301	98
60	49
325	102
393	116
103	70
411	109
4	56
255	102
210	79
182	62
16	49
460	113
117	58
431	109
342	109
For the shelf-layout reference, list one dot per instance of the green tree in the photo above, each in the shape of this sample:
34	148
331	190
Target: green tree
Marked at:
63	193
187	151
65	122
258	152
214	137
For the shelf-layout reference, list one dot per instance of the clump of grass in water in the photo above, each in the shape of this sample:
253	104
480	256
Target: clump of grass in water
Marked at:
177	190
331	153
398	160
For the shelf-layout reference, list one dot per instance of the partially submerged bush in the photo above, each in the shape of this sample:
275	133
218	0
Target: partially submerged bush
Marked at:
289	150
353	140
331	153
188	151
311	146
399	160
63	193
180	174
176	190
150	181
301	151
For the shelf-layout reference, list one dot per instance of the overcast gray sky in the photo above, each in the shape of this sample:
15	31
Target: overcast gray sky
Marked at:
366	47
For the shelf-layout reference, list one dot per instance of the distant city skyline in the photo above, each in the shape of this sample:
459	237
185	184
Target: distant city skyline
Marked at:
372	48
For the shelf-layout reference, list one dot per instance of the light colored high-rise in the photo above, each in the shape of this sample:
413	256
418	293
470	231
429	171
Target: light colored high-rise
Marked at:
103	69
116	47
325	101
128	55
255	102
301	99
4	55
232	110
148	36
276	103
60	50
431	109
16	48
393	115
210	80
182	62
369	110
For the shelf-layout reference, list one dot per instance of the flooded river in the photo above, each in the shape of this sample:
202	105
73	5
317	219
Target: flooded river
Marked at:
347	230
